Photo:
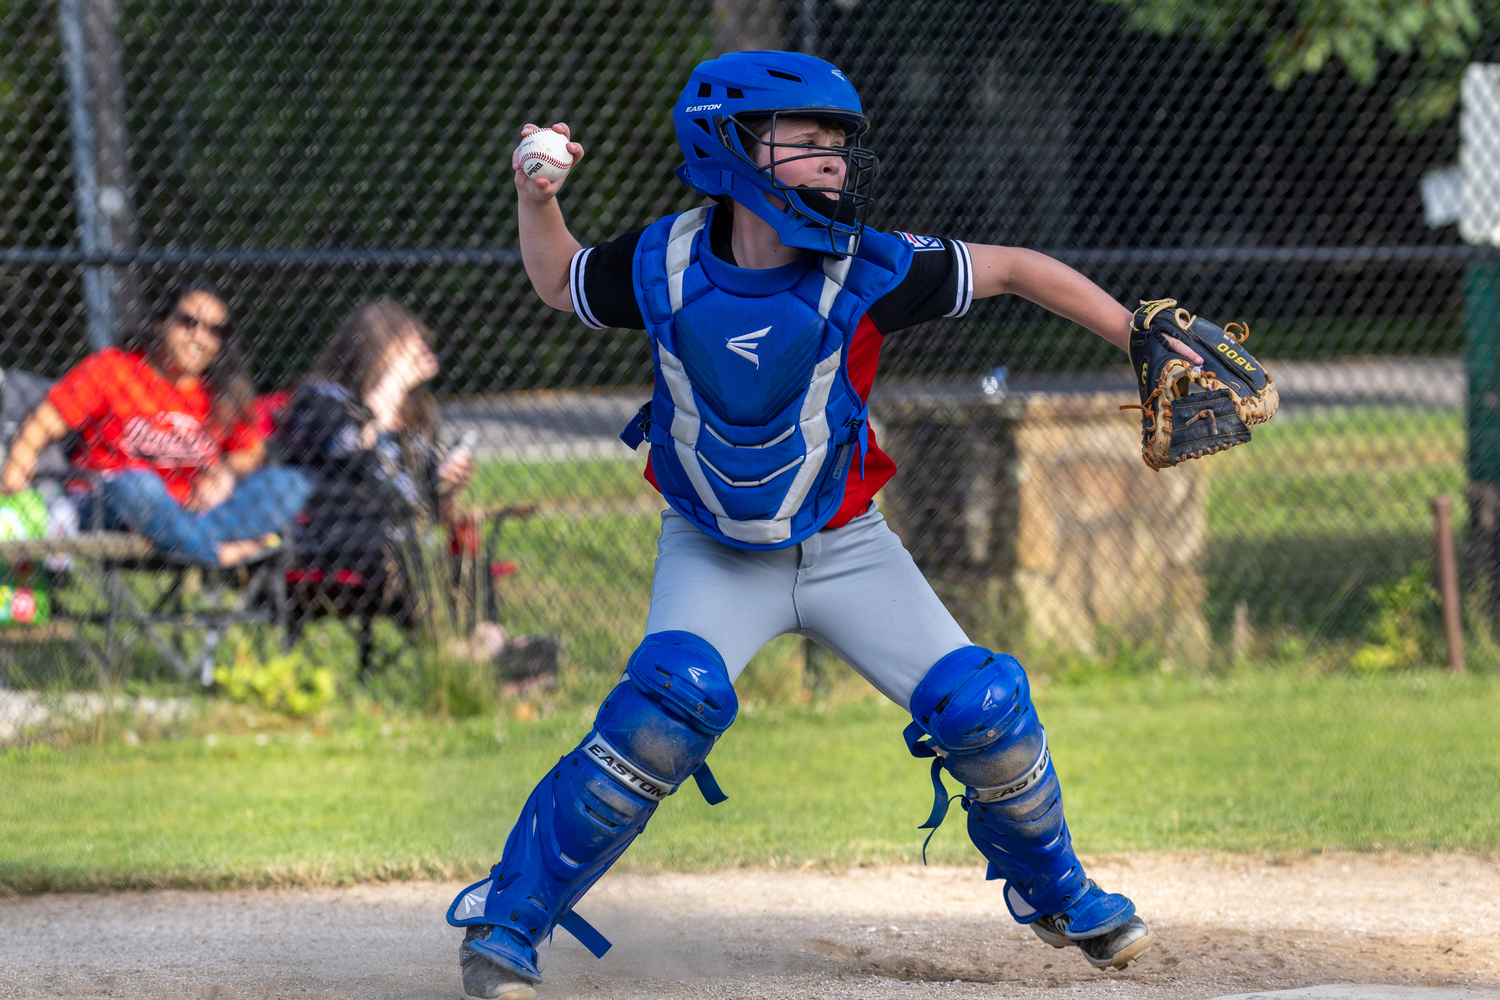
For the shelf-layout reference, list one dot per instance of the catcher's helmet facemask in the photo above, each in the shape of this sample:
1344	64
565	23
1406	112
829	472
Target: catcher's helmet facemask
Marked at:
729	103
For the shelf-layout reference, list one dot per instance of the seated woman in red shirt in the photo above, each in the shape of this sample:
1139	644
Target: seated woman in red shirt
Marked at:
164	419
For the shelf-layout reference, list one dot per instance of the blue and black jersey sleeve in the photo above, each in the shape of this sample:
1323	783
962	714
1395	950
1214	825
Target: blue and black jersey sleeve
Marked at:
600	282
939	284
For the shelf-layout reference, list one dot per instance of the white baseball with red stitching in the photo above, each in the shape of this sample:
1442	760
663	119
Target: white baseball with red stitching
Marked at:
544	153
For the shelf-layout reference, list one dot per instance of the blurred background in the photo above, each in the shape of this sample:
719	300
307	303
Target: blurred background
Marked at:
1318	171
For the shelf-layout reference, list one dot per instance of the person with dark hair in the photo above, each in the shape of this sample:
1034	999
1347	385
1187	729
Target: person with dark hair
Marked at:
363	427
163	420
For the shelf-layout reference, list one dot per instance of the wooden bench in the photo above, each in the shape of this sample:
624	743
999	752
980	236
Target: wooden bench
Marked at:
272	592
192	601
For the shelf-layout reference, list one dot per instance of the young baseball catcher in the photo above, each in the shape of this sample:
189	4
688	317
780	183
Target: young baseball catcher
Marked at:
766	312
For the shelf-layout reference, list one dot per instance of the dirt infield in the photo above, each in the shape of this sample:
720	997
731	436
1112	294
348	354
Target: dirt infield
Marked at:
1223	925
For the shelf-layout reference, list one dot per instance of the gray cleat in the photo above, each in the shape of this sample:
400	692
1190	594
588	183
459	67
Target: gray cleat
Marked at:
1112	949
483	979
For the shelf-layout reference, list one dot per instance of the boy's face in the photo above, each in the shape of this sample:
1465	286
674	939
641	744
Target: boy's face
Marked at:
825	172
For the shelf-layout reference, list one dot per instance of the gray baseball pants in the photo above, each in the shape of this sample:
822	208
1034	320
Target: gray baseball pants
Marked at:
853	590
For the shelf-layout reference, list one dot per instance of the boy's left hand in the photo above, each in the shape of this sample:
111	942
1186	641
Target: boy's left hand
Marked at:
1192	412
1184	350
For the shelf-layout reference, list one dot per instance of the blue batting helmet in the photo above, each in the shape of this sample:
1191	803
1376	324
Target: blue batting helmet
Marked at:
728	100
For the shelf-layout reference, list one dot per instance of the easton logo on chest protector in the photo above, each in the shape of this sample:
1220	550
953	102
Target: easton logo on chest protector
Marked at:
755	455
744	345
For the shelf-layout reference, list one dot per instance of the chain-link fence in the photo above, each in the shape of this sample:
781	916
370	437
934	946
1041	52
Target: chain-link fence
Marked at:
306	158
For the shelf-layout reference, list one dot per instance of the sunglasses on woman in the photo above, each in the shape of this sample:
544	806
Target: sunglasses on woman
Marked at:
192	323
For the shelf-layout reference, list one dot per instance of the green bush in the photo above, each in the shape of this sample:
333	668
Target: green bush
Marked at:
289	683
1405	629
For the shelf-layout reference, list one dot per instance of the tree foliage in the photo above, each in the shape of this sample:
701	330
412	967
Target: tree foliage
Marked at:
1305	37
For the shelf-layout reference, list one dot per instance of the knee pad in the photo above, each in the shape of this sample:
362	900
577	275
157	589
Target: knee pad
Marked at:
974	710
672	705
652	733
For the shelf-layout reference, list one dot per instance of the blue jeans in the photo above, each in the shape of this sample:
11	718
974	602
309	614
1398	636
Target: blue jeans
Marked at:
263	502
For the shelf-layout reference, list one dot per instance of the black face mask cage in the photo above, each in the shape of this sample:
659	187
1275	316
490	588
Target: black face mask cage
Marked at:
842	209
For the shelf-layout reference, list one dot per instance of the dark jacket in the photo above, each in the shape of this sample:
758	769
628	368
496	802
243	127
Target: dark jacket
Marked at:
367	504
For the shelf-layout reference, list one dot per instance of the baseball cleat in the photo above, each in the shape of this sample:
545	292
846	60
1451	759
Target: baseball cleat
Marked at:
483	979
1102	924
1113	949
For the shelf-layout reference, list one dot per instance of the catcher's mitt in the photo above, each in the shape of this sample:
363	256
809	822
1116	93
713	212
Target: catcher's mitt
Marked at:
1190	411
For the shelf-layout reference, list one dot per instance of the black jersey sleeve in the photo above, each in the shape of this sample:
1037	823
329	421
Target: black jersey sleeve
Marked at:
602	287
940	283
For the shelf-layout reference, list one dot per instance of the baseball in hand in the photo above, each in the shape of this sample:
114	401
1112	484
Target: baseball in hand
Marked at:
544	154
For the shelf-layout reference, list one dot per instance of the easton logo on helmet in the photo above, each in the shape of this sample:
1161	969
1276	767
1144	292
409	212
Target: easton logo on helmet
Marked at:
703	107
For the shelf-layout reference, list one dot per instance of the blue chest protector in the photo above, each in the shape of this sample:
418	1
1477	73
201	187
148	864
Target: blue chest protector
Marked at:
753	420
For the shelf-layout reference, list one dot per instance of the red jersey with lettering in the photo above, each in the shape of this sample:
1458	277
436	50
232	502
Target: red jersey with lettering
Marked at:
133	418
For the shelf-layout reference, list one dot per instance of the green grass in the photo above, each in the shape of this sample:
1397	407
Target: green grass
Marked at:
586	578
1263	762
547	484
585	557
1321	506
1327	473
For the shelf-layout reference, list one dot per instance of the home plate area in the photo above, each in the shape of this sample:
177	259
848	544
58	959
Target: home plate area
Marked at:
1327	927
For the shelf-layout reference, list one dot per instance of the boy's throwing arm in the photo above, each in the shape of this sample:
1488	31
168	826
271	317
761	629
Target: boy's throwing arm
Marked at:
546	245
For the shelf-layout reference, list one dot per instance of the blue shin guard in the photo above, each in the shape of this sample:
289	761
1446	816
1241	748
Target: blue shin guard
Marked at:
974	708
652	733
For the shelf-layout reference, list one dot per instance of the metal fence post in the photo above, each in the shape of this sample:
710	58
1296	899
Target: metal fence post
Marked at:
85	170
1482	350
104	56
1447	576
